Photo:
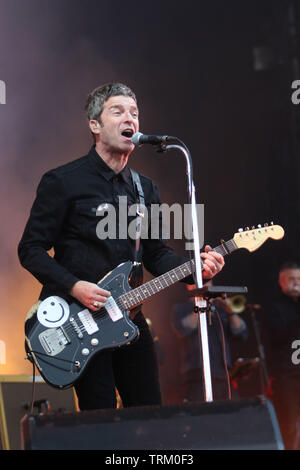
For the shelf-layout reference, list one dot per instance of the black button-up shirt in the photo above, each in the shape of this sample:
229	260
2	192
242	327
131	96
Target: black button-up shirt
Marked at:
65	216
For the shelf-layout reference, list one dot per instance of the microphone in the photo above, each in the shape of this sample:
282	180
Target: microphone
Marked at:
139	139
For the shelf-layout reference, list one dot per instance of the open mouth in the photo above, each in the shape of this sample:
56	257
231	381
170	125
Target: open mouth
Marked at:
128	133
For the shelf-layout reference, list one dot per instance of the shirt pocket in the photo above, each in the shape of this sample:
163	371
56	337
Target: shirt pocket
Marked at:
87	214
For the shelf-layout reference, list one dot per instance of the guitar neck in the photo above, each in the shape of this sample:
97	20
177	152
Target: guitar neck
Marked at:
137	296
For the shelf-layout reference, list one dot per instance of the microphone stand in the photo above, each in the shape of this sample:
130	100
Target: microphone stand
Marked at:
200	303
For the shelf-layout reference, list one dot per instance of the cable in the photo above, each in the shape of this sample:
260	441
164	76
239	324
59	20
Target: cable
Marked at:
33	388
224	352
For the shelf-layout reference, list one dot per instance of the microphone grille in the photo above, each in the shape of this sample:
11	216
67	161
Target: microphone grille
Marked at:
135	139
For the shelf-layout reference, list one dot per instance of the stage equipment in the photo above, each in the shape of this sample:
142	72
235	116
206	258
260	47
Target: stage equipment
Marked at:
243	424
15	400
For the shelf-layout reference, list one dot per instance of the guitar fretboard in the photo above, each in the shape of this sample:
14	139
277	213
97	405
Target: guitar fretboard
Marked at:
139	294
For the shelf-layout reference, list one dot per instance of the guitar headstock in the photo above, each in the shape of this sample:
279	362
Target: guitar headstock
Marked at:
253	238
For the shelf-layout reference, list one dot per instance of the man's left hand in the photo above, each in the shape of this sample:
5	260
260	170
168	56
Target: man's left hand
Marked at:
213	262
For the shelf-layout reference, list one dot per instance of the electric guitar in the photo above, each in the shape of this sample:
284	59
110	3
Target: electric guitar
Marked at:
61	338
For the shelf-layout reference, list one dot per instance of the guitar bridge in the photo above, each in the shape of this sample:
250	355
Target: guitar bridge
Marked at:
54	340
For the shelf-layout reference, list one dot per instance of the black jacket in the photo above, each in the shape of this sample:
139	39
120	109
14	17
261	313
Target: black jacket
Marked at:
64	217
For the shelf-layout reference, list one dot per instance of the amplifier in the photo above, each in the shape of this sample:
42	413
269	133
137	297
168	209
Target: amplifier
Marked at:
15	402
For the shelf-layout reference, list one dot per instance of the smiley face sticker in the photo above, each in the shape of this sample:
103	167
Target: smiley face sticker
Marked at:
53	312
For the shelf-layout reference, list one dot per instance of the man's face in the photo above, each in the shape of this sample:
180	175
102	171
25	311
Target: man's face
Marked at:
289	281
119	121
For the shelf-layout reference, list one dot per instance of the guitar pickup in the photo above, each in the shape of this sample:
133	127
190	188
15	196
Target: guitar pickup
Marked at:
88	322
112	309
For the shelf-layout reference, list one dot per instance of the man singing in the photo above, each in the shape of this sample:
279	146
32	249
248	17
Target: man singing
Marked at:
64	217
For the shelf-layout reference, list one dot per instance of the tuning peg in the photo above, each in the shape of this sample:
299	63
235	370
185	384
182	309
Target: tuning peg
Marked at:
253	227
259	226
240	230
266	225
247	228
272	223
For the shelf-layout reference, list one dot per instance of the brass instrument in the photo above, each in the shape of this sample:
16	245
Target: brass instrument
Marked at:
237	303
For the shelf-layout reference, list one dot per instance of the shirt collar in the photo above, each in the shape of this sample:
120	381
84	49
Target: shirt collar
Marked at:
105	170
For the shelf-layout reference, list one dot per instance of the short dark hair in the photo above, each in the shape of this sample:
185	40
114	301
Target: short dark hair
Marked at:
96	99
289	265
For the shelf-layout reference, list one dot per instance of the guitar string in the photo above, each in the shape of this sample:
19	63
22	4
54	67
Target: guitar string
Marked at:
70	328
224	249
101	314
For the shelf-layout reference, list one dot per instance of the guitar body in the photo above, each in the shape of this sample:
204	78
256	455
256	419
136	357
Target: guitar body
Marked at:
62	338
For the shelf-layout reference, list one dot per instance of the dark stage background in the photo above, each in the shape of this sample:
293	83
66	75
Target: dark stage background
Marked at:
216	74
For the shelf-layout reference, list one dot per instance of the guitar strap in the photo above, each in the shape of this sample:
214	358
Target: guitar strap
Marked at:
140	209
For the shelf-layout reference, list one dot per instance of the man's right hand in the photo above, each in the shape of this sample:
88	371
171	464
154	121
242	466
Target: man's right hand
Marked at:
87	293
